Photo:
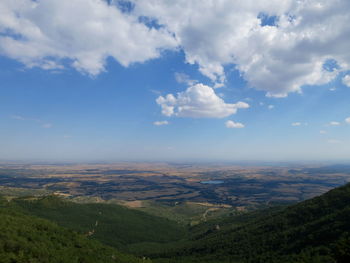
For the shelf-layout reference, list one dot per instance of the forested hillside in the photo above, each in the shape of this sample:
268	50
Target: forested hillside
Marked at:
25	239
113	225
312	231
316	230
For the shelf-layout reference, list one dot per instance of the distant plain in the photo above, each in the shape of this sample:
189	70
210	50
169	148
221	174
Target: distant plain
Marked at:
187	193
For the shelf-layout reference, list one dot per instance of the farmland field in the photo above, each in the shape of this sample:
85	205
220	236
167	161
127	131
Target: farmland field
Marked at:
184	192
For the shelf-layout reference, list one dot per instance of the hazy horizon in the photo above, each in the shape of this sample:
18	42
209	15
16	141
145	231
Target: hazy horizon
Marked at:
218	163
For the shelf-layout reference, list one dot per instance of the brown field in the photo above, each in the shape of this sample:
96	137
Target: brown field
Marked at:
132	183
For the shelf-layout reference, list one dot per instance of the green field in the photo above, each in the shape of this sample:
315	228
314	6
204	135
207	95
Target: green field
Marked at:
187	213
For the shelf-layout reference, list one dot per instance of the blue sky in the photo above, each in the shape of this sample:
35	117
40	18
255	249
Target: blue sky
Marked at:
231	99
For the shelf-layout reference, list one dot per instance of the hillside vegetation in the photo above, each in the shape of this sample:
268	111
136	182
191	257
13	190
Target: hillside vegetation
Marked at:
113	225
28	239
316	230
313	231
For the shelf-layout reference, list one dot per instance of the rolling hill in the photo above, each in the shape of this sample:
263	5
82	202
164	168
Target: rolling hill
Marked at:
25	239
313	231
316	230
111	224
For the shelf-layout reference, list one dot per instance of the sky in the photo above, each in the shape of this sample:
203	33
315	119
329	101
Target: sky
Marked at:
185	80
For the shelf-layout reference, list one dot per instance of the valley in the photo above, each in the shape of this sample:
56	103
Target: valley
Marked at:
237	186
168	213
186	193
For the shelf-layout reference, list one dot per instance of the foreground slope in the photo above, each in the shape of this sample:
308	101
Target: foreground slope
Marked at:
26	239
312	231
111	224
316	230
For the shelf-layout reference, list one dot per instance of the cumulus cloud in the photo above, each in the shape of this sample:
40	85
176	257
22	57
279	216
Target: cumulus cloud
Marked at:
82	33
277	46
296	124
270	107
346	80
198	101
347	120
232	124
160	123
277	57
323	132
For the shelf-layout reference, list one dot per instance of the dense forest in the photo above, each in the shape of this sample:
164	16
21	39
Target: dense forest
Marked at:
51	229
315	230
29	239
113	225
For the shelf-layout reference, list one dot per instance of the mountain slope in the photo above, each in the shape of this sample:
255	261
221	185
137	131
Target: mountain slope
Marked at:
313	231
316	230
26	239
113	225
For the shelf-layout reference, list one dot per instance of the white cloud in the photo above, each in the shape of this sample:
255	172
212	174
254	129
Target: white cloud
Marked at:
84	32
18	117
346	80
184	78
347	120
43	124
299	124
22	118
323	132
334	123
167	104
198	101
270	107
232	124
278	58
160	123
333	89
156	92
